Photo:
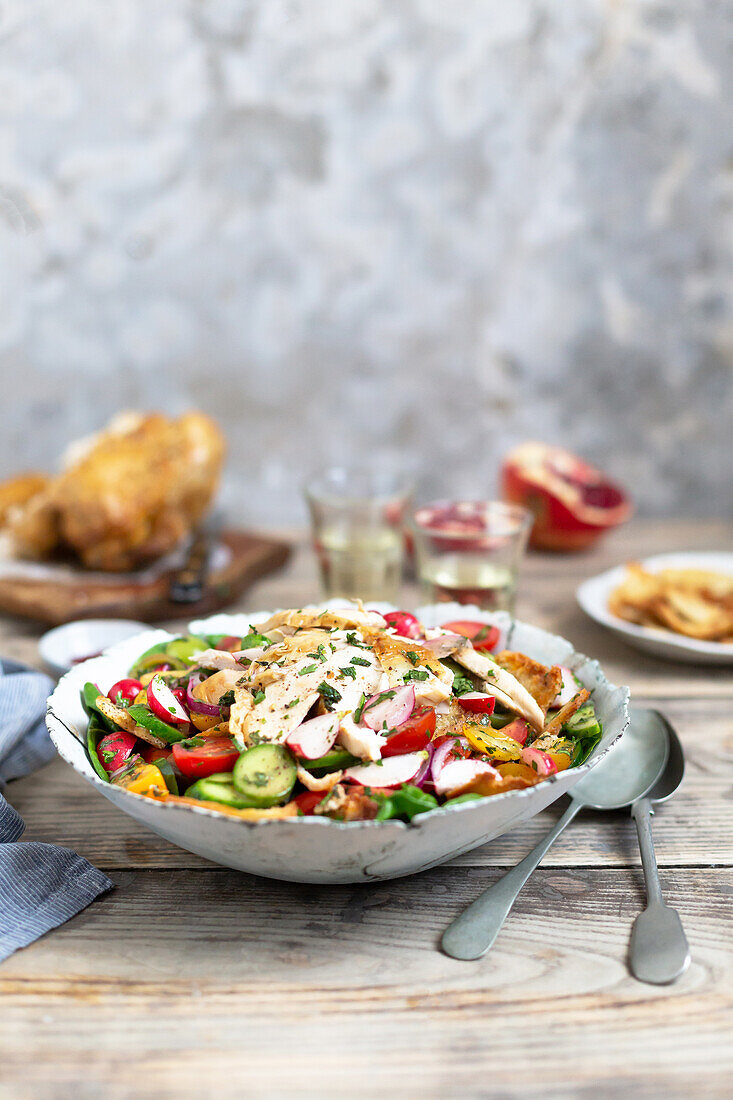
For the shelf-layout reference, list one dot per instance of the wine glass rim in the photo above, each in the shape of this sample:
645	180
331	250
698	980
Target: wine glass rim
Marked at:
514	517
344	484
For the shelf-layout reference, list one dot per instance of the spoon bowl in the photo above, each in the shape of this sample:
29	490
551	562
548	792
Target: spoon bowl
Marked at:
635	766
623	778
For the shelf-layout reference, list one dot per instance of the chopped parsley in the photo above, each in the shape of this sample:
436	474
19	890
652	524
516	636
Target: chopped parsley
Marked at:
254	639
361	661
360	708
258	697
348	671
227	699
318	654
307	669
291	704
352	639
383	695
329	694
412	657
415	674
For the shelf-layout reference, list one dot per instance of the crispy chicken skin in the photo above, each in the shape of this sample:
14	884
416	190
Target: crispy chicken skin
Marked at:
128	496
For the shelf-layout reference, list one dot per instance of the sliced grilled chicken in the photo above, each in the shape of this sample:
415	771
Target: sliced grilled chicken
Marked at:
501	684
401	658
341	618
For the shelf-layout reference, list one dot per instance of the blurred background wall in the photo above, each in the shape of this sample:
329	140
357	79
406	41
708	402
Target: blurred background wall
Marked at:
419	229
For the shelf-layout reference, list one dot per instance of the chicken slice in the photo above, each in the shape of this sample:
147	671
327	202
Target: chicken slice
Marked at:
341	618
541	682
404	662
360	741
501	684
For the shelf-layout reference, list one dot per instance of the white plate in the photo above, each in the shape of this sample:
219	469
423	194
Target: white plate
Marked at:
593	598
65	644
315	849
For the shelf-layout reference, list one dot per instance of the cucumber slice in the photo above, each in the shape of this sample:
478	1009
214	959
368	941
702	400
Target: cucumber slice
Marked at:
183	649
265	774
333	761
150	658
144	717
583	721
219	788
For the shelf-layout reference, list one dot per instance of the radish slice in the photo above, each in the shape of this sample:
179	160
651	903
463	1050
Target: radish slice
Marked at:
539	760
315	737
392	772
569	689
518	730
459	773
164	704
444	644
196	706
442	754
477	702
391	712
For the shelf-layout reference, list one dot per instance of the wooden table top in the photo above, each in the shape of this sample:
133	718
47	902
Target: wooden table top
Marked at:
189	979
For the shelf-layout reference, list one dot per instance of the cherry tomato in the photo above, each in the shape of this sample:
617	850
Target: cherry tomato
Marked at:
150	754
200	756
127	689
482	635
230	643
404	623
115	749
477	703
180	694
307	801
412	735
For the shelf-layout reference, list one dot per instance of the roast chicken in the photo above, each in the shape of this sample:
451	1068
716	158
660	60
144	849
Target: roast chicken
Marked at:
126	496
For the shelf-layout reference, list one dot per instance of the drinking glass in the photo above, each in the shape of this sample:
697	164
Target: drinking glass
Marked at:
469	551
358	519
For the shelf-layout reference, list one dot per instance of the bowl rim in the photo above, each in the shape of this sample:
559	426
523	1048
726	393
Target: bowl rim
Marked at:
501	619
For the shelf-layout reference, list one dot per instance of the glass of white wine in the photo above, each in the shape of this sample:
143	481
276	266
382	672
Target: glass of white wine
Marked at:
469	551
358	518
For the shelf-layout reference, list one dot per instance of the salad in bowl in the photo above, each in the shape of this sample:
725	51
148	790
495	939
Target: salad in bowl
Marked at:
339	713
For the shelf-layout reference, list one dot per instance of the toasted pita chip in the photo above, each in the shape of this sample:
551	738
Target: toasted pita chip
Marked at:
541	682
558	720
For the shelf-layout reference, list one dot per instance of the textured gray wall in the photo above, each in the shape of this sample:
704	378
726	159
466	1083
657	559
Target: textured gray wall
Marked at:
417	228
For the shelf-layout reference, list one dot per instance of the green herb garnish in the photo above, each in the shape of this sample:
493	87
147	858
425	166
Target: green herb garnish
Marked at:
415	674
329	694
361	661
307	669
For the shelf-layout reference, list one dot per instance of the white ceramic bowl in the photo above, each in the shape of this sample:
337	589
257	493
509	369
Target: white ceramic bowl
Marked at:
315	849
594	593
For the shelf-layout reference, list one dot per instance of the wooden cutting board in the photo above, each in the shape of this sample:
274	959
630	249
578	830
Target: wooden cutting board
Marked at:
52	601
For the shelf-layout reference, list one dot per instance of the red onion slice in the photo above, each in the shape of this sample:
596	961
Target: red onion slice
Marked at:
425	775
390	712
442	755
195	705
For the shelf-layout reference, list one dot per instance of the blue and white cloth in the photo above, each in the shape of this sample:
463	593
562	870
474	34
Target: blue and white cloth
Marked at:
41	885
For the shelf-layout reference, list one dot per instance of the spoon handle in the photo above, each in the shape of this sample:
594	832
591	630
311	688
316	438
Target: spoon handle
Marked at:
658	952
473	933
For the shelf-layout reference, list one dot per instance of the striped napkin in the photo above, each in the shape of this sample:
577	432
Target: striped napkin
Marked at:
41	885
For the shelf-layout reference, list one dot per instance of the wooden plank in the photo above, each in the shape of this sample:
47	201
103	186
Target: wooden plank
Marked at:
694	829
222	984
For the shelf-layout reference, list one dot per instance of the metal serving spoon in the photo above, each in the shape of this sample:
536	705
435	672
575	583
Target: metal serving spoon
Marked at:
627	773
659	951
